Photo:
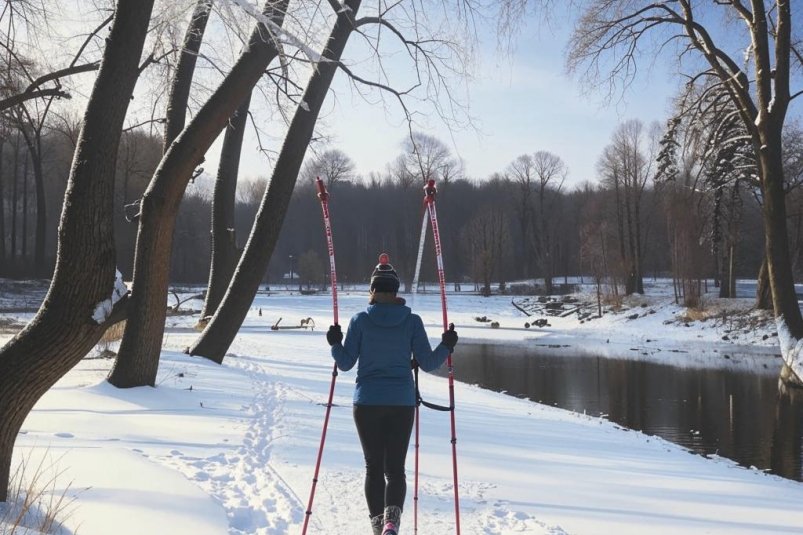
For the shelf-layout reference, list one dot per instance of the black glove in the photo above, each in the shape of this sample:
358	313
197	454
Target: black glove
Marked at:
449	338
334	335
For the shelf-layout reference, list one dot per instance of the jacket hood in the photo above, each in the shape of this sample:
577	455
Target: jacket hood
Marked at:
388	314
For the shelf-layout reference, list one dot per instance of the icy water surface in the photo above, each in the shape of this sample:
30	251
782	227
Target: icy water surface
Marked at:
736	414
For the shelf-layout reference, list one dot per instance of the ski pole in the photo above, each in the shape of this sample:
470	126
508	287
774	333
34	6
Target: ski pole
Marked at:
323	195
429	199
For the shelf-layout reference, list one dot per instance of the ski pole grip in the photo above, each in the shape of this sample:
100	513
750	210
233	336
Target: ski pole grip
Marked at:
322	193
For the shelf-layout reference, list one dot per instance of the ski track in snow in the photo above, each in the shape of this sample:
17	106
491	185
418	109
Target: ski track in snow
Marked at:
256	499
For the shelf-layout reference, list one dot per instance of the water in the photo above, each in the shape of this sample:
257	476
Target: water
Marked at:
736	414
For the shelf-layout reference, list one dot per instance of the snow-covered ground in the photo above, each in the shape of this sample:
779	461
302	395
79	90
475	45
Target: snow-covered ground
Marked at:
232	448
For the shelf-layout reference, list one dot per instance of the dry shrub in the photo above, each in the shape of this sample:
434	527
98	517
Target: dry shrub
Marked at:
695	314
112	334
33	501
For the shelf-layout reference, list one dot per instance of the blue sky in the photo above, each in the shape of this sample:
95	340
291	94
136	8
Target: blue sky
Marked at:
523	102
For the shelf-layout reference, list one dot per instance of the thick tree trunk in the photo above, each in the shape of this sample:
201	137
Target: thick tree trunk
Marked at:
138	359
185	70
64	329
220	332
779	265
224	242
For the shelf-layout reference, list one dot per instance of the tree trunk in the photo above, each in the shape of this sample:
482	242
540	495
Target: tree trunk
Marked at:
185	70
41	212
779	265
220	332
763	290
34	144
224	243
64	328
138	359
24	234
14	201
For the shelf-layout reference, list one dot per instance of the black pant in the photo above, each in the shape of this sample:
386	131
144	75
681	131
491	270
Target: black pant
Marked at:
384	434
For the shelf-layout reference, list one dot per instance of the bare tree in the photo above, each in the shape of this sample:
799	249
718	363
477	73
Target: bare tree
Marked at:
225	252
78	306
138	359
550	174
185	70
760	91
521	171
221	330
487	239
625	167
333	166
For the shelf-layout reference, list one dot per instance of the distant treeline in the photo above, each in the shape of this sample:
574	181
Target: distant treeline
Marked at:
507	227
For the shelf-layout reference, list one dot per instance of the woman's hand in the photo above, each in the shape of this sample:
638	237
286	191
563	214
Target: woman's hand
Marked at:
334	335
449	338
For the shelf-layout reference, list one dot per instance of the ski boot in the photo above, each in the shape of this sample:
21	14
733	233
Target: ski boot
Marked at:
392	520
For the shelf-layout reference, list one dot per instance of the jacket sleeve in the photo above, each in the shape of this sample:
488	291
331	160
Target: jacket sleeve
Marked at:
427	358
346	354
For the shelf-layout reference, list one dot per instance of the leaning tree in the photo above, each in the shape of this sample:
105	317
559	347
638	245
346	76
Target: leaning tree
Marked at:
80	303
137	362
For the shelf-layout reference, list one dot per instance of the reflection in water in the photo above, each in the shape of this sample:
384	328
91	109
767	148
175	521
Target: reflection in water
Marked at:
736	414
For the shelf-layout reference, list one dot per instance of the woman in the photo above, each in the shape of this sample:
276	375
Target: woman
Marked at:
382	339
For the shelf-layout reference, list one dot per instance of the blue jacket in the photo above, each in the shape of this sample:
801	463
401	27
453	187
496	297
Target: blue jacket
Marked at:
382	339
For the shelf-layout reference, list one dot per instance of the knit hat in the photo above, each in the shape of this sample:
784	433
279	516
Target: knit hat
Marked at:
384	277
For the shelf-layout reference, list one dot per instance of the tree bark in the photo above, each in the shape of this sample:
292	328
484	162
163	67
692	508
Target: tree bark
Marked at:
185	70
138	359
763	290
781	280
220	332
64	329
224	244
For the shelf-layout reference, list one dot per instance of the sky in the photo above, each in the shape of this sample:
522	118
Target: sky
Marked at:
232	448
521	101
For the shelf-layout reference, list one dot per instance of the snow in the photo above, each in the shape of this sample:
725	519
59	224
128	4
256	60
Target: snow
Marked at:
232	448
104	308
791	348
278	33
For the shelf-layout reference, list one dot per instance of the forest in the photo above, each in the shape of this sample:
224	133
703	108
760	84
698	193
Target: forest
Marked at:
522	229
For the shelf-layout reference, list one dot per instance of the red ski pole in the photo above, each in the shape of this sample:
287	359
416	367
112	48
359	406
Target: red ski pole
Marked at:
323	195
429	199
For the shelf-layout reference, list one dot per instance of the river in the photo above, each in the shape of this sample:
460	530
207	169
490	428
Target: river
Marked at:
736	414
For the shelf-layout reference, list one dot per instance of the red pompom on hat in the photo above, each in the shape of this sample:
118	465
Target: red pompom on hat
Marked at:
384	277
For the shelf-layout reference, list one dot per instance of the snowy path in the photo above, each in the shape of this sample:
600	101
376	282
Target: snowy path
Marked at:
256	499
236	445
